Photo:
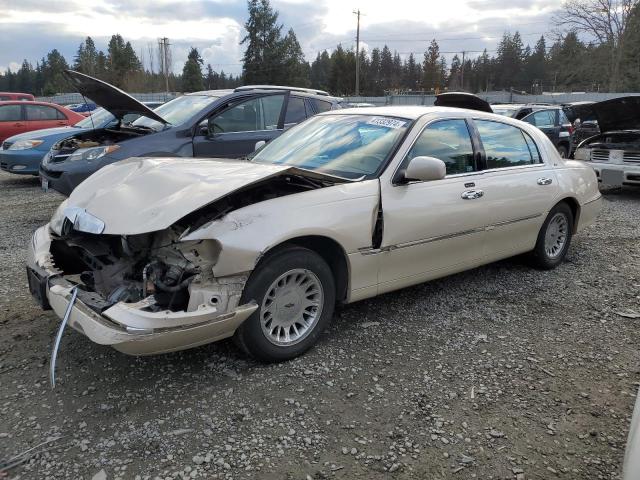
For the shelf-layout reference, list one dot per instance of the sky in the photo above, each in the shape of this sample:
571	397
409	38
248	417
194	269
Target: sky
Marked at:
31	28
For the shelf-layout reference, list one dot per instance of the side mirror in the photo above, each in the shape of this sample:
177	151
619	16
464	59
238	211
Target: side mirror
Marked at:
259	145
425	169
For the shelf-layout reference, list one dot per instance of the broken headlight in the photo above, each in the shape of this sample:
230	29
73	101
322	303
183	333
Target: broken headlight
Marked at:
55	224
92	153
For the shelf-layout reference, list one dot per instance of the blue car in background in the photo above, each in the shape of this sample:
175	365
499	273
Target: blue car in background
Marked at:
22	153
85	109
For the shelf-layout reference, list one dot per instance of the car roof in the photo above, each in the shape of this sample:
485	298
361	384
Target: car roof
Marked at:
211	93
30	102
267	89
410	112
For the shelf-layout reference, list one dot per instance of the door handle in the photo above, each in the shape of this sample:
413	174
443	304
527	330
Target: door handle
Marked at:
544	181
472	194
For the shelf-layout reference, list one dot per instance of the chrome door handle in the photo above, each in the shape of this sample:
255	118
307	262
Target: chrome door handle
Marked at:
544	181
472	194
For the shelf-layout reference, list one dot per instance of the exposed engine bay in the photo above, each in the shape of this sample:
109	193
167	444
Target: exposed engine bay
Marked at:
614	141
96	138
173	275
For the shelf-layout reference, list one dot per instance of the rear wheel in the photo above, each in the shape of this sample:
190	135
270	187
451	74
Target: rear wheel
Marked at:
554	238
295	292
563	151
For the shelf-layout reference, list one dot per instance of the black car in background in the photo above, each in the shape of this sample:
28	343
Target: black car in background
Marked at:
216	123
553	121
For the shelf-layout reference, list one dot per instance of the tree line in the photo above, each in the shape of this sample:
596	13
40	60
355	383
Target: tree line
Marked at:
610	62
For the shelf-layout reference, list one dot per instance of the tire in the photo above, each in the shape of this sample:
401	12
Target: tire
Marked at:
291	279
550	251
563	151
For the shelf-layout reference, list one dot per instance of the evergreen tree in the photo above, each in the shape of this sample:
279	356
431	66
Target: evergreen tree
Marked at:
263	57
192	72
295	69
432	76
630	65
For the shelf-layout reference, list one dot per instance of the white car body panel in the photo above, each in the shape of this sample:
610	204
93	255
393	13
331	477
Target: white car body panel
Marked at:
429	230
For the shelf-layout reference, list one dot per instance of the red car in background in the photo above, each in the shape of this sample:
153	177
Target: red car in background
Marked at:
7	96
20	116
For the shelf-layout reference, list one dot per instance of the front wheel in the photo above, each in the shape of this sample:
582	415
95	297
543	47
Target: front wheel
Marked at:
554	238
295	292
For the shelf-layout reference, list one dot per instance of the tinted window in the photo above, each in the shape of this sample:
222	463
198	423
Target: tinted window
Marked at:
543	118
4	98
296	111
10	113
320	105
563	118
504	145
40	112
449	141
60	115
253	115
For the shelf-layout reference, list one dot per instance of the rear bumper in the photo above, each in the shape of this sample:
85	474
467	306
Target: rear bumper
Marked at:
126	327
589	211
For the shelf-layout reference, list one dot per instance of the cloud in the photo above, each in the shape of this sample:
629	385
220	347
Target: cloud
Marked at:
30	28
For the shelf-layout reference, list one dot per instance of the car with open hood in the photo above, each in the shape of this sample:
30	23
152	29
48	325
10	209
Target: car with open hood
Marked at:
614	153
152	255
21	154
215	123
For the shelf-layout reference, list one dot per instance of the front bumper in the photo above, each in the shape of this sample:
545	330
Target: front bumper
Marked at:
126	327
21	162
625	173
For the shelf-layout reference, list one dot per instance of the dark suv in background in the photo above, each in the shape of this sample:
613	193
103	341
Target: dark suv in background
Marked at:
216	123
553	121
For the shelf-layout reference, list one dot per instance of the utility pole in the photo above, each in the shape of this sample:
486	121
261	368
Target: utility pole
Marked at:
357	12
462	71
163	46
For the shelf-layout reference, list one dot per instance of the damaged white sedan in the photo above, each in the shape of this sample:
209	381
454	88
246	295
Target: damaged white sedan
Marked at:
152	255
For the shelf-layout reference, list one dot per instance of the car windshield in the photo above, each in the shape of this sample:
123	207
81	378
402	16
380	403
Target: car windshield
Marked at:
506	112
99	119
350	146
177	111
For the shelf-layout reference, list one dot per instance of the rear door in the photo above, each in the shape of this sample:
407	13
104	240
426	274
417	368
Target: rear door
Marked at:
43	116
546	121
11	120
235	131
519	188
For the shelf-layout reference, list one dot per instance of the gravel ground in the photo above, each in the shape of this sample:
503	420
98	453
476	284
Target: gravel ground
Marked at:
502	372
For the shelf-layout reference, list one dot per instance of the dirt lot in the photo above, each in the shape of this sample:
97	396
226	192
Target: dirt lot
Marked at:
502	372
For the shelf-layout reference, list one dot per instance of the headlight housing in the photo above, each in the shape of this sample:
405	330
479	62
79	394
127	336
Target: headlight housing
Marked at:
25	144
92	153
582	154
55	224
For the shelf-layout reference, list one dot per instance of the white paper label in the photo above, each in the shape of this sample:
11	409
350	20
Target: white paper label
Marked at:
387	122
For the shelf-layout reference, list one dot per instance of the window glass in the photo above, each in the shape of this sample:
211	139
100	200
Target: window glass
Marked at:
449	141
533	148
296	111
60	115
543	118
10	113
177	111
320	105
253	115
351	146
4	98
40	112
563	118
504	145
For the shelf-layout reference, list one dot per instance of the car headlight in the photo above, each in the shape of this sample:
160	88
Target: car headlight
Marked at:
582	154
55	224
25	144
92	153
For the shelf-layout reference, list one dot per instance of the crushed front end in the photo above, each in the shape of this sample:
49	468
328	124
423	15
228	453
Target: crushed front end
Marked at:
142	294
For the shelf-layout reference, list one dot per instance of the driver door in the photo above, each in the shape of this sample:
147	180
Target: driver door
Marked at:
234	131
437	227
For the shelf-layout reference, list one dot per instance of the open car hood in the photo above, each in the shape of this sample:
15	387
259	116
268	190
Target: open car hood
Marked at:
462	100
142	195
621	113
111	98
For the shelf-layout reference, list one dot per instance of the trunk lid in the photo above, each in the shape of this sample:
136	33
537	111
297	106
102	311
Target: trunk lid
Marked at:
111	98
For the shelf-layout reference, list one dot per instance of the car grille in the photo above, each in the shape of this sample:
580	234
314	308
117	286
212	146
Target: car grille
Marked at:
631	157
599	155
6	145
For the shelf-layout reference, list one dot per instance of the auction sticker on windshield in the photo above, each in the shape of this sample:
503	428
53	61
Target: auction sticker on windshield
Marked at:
387	122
